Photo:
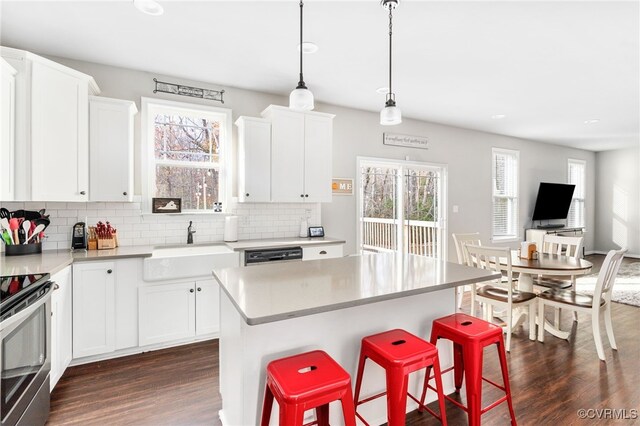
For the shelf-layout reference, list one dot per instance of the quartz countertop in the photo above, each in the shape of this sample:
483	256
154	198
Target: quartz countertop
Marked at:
281	242
275	292
52	261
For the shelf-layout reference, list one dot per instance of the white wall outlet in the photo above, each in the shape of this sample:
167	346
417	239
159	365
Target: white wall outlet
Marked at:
455	209
244	220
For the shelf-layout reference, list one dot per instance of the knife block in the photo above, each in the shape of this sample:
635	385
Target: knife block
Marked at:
106	244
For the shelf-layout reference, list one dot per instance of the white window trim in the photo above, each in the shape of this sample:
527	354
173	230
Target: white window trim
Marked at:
147	153
505	238
583	163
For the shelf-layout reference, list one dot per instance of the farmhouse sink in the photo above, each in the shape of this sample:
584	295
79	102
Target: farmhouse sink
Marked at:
172	263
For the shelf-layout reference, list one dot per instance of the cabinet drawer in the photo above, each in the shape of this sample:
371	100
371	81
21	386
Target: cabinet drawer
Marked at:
322	252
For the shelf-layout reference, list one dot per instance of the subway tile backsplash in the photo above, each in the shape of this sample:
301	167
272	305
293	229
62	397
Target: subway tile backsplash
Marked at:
255	221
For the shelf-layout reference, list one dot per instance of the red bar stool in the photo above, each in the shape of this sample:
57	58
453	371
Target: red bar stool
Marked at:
469	336
399	353
305	381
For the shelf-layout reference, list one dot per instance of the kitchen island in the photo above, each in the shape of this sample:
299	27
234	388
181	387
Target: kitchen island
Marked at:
276	310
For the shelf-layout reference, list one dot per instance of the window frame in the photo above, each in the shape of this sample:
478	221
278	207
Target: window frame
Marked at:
505	238
149	107
583	164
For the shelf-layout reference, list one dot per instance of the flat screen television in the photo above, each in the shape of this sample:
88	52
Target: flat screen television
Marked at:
553	202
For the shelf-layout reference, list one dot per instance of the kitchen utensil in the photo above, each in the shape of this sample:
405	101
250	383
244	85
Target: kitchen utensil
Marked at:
79	236
38	229
5	224
41	211
42	221
4	213
26	227
5	237
17	213
31	214
14	224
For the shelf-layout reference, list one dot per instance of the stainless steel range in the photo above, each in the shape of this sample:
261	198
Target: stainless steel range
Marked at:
25	351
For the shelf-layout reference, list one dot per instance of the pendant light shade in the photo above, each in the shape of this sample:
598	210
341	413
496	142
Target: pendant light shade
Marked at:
301	98
390	114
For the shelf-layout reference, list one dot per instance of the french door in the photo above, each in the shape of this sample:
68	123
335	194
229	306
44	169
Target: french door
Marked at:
401	207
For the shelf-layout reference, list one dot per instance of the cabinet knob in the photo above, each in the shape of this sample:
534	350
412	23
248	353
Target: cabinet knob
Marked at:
246	195
83	192
124	193
301	195
190	290
306	195
199	289
109	271
323	252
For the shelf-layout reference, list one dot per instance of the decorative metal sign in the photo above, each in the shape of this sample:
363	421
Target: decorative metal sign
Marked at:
341	186
194	92
405	140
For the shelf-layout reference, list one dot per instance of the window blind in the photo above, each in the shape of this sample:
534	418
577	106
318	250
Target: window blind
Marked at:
576	170
505	193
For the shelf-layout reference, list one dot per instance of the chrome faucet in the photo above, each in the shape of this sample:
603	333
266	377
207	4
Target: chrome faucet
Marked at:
190	233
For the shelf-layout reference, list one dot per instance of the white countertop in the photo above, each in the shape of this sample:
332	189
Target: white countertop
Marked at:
281	242
274	292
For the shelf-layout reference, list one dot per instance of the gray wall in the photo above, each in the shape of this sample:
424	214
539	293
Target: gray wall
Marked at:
618	207
467	153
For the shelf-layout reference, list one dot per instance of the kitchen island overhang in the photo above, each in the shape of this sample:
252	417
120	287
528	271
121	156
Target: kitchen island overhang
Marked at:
275	310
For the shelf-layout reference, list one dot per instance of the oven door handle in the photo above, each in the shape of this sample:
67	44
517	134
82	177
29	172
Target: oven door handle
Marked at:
17	318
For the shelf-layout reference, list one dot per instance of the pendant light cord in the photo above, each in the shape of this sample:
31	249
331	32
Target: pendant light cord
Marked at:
390	35
301	84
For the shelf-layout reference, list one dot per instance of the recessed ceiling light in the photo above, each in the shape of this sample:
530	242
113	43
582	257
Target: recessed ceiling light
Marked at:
382	90
498	116
150	7
308	47
592	121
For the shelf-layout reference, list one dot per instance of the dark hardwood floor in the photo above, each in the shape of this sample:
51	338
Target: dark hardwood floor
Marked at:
550	382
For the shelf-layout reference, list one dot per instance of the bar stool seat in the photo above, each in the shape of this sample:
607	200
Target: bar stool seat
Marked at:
470	335
307	381
399	353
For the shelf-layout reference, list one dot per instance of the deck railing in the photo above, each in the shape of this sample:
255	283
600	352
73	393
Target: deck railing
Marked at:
420	237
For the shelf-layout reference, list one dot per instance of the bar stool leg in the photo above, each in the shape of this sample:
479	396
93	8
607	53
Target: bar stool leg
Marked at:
348	409
439	388
266	406
322	415
397	384
505	379
473	369
291	415
458	366
361	362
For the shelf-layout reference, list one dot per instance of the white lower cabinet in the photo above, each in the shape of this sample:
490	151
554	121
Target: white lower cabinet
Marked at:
322	252
61	325
178	310
105	306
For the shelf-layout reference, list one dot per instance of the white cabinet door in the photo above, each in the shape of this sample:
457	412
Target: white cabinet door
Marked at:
61	325
93	308
318	134
7	130
287	155
207	307
166	312
59	136
254	160
128	276
111	149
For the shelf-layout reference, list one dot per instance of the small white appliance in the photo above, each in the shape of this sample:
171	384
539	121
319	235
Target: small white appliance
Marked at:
231	228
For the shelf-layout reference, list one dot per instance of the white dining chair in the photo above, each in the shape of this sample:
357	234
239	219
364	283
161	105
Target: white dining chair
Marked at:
500	293
597	305
559	245
459	241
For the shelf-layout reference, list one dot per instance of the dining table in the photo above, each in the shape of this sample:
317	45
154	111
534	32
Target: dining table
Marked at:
545	265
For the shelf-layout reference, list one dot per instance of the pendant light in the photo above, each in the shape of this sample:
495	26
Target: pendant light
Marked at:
301	98
390	114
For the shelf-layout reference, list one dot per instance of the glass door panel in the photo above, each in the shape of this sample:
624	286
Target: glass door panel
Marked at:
378	209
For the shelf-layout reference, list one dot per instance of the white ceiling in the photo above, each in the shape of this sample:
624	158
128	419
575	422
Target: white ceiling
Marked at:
548	66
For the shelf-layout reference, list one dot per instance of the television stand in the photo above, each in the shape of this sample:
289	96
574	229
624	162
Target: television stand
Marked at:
551	226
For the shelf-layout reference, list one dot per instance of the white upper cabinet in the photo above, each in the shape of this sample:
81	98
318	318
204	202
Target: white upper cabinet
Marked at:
301	161
7	129
52	111
254	160
111	149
